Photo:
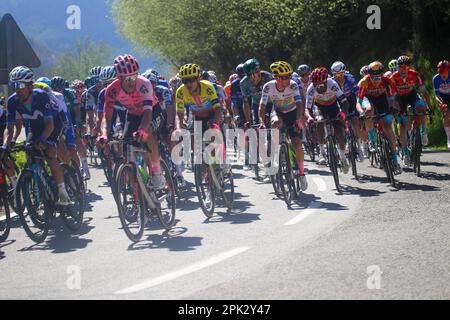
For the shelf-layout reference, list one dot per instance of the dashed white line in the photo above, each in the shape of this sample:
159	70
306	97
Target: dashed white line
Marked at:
305	213
321	185
185	271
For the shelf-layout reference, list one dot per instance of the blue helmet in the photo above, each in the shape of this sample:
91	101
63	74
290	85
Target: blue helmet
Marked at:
45	80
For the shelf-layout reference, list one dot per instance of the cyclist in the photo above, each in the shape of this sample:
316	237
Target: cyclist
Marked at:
379	91
92	97
136	94
407	82
349	86
251	86
285	95
441	83
236	97
43	123
331	102
393	66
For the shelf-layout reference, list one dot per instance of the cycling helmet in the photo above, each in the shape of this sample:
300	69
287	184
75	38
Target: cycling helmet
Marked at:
95	71
212	76
150	75
156	73
319	75
108	74
443	66
364	71
21	74
58	83
376	68
240	70
126	65
45	80
233	77
388	74
78	85
175	83
303	69
189	71
393	65
67	84
250	66
88	82
281	68
404	61
338	67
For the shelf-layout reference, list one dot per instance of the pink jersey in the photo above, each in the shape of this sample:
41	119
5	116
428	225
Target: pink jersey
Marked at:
142	99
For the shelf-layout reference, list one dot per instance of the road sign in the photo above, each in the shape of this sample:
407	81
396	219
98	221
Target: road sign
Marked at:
15	50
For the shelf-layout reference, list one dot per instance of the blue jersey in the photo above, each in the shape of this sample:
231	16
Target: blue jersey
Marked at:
163	83
350	87
442	87
164	96
92	98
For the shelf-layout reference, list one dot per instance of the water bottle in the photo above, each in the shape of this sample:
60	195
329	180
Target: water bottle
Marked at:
142	168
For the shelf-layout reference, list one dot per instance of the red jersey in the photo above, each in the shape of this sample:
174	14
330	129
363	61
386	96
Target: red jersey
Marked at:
368	88
408	85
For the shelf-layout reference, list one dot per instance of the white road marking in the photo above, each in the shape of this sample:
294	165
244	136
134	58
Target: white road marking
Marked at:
321	185
305	213
185	271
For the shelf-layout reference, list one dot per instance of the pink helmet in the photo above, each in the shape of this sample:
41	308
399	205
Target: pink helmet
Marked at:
126	65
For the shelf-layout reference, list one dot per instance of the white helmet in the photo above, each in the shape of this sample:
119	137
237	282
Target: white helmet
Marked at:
338	67
21	74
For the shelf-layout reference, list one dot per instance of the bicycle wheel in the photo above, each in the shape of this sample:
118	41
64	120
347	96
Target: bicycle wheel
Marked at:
131	205
73	214
166	198
227	187
333	162
388	162
205	190
417	151
37	211
353	151
5	219
285	174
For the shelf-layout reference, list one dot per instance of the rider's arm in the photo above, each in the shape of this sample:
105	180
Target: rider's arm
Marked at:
263	102
19	125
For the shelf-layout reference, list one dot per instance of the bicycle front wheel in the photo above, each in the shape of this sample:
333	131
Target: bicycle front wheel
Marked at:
72	216
5	223
333	163
37	211
285	174
131	204
166	198
205	189
227	187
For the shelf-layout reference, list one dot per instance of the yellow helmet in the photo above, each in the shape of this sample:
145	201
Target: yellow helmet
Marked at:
189	71
281	68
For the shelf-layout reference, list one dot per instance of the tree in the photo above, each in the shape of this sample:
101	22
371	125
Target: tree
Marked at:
76	62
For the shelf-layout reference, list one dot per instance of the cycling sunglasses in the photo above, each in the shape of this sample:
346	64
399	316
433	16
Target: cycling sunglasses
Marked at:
18	85
190	80
284	78
131	78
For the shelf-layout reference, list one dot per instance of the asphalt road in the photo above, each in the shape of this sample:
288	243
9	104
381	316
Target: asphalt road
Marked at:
371	242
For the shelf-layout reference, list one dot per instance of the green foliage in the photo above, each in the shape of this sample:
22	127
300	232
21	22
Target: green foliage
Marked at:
221	34
78	60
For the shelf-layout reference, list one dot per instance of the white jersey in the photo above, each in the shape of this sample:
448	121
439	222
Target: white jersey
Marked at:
283	101
58	99
329	97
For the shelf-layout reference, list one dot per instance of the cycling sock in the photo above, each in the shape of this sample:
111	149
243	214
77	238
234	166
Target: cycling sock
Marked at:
447	131
301	167
156	167
13	180
322	149
371	134
341	154
394	155
62	188
423	130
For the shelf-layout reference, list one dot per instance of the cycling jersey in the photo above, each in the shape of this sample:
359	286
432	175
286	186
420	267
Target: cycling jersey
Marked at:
71	100
304	86
92	98
404	86
57	101
136	103
164	96
368	88
34	114
283	101
350	86
2	122
201	106
442	87
220	92
328	98
253	92
163	83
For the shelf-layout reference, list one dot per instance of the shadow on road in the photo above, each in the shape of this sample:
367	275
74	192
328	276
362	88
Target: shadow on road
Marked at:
413	186
434	164
91	197
172	240
352	190
60	240
324	172
233	218
434	176
5	244
306	199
